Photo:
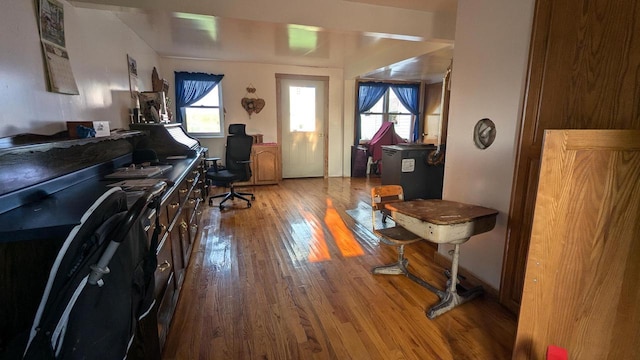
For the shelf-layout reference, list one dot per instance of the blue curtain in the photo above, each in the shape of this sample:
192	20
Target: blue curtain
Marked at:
368	95
408	94
191	87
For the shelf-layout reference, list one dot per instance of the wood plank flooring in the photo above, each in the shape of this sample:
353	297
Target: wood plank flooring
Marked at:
289	278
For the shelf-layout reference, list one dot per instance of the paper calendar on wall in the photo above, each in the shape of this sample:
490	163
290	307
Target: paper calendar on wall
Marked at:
51	23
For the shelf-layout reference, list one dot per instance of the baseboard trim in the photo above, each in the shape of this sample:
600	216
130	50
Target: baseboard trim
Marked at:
472	280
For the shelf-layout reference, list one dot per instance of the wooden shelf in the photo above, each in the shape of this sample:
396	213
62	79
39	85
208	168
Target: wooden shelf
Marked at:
28	159
35	143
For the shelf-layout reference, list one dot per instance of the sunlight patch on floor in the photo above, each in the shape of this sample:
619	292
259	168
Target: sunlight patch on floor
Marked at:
346	242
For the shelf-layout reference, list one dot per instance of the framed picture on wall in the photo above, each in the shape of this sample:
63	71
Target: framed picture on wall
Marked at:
132	67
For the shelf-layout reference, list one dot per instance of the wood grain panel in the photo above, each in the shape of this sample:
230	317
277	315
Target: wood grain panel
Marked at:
433	98
512	295
267	164
582	284
584	71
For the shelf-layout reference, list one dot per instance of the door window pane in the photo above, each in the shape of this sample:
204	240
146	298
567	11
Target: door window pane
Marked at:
302	108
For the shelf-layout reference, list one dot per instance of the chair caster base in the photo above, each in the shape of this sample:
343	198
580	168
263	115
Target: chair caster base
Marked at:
232	195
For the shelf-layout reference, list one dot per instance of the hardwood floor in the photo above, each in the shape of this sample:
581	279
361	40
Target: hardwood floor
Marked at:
289	278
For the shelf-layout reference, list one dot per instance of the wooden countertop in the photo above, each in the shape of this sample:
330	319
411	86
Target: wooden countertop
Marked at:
56	214
441	212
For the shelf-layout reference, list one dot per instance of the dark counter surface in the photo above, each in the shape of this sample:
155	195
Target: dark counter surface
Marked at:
55	214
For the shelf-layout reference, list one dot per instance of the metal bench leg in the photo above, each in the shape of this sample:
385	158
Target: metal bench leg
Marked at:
452	298
397	268
400	268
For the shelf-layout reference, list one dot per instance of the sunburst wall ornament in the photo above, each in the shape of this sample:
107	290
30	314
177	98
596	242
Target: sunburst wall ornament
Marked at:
251	102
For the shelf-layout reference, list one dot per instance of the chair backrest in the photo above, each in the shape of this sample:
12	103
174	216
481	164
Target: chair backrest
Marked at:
389	234
385	194
238	149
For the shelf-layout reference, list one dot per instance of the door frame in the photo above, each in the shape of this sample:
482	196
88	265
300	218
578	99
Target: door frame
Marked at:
325	121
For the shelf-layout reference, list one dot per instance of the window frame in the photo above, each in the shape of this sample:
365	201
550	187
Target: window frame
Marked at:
220	133
385	114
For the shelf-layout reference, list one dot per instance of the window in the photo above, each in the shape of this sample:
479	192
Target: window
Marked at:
302	108
199	103
205	117
388	108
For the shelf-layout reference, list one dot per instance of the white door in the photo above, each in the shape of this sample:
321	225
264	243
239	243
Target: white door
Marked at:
302	111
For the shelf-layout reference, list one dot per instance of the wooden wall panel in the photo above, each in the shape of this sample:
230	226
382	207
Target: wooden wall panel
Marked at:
582	283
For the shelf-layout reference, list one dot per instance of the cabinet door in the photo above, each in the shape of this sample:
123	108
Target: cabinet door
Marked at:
177	254
266	164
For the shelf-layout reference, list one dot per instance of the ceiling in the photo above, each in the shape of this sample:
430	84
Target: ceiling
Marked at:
377	39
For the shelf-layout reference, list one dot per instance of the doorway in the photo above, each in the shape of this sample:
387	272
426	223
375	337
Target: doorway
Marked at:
302	119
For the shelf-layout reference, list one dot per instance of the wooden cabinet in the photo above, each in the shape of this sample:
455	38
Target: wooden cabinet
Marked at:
265	165
65	184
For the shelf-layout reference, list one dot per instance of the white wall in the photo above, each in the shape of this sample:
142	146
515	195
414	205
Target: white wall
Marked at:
239	75
98	44
488	79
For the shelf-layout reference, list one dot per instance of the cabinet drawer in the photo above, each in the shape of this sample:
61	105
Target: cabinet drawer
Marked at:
165	311
172	208
164	268
183	193
190	208
151	222
177	254
185	242
187	185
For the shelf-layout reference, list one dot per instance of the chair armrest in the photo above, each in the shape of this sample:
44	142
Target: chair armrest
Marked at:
214	161
247	166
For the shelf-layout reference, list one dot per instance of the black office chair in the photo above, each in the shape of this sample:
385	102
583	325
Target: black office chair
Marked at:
237	166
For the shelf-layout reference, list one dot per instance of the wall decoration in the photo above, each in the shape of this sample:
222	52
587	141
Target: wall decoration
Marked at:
484	133
153	106
251	103
52	22
56	57
132	67
157	85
